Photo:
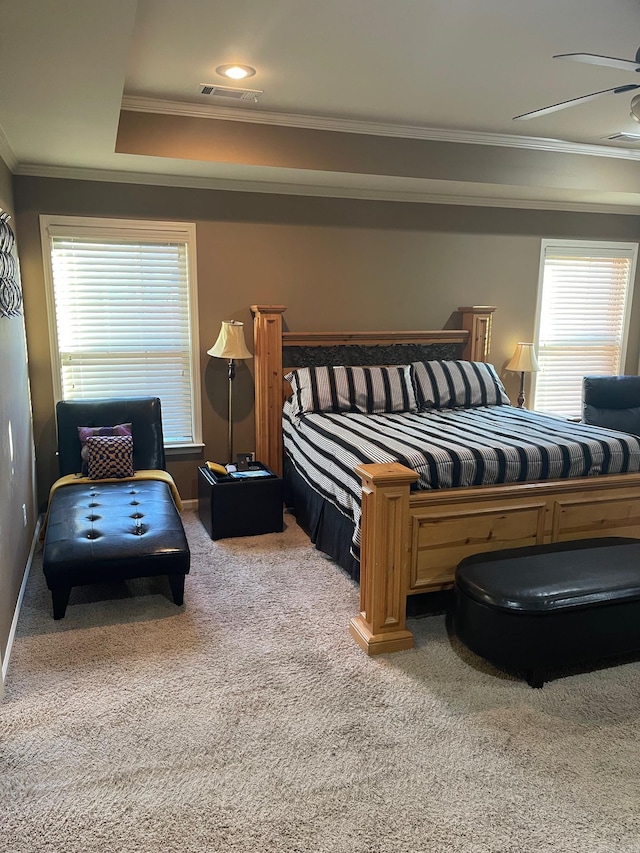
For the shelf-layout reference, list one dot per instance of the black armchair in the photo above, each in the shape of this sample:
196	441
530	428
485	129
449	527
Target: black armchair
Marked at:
612	402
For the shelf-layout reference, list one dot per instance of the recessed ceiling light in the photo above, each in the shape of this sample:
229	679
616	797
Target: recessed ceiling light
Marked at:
236	72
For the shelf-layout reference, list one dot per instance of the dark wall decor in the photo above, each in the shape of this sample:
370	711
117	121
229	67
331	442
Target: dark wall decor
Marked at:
10	290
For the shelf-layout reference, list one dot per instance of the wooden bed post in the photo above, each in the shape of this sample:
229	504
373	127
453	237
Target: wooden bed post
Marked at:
476	319
267	340
384	570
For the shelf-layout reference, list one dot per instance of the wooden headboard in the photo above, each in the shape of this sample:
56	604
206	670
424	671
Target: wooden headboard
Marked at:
276	351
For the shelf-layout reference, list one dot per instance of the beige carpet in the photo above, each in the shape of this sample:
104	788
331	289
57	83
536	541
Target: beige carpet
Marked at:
249	721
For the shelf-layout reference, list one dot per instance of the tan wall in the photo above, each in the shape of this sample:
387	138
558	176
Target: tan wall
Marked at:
17	485
336	264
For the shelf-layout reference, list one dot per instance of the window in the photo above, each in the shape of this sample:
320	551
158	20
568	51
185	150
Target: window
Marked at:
584	300
121	298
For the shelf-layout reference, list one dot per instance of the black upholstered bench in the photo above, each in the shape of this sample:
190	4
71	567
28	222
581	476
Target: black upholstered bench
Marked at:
103	531
532	609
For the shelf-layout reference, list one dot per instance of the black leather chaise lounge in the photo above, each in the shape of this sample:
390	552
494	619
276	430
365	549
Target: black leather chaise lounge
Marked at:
103	530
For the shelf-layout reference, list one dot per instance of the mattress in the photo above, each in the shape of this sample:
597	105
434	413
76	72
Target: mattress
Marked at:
449	448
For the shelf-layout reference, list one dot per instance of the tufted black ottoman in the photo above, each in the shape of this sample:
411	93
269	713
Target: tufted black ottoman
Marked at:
113	531
530	609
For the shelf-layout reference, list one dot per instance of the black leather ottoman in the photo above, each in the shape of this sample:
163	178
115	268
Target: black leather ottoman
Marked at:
531	609
113	531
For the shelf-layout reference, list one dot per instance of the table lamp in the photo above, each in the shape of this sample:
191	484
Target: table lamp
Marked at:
231	345
523	361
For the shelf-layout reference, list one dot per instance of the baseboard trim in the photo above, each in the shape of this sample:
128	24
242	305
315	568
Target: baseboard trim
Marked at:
16	614
192	503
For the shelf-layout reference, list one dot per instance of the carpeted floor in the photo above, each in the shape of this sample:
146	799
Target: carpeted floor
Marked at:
249	721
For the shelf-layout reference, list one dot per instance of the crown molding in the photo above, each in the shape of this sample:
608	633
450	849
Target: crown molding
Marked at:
6	152
281	188
500	140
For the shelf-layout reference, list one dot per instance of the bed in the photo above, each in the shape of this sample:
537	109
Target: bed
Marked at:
410	540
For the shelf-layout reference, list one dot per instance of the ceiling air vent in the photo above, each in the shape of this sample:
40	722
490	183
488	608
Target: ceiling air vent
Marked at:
230	92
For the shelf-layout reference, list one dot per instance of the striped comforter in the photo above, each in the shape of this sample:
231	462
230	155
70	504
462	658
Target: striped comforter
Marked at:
449	448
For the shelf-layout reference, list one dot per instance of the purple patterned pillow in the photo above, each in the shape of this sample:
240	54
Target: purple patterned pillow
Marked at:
110	456
86	432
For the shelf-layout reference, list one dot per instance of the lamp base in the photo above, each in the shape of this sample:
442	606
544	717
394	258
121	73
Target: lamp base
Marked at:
232	376
521	394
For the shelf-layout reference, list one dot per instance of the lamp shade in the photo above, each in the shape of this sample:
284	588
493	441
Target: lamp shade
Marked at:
230	343
524	360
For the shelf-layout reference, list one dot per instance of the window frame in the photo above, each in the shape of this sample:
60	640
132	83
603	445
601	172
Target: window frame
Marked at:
127	229
589	247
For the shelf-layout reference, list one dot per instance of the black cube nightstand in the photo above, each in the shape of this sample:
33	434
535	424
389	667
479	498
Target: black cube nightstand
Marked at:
239	507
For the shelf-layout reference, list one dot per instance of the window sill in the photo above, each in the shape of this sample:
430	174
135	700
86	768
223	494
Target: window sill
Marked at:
183	449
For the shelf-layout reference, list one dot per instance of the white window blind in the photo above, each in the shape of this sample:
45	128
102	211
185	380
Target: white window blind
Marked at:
123	318
582	322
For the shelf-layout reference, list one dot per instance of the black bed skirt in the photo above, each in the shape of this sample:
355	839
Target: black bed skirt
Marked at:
329	530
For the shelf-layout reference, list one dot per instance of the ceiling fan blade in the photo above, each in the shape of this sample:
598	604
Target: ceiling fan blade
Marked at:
583	99
607	61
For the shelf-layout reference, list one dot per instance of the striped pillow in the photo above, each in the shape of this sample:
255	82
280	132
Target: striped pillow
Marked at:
457	384
368	390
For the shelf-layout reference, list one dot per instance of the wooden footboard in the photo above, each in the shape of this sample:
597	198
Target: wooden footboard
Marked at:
412	543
